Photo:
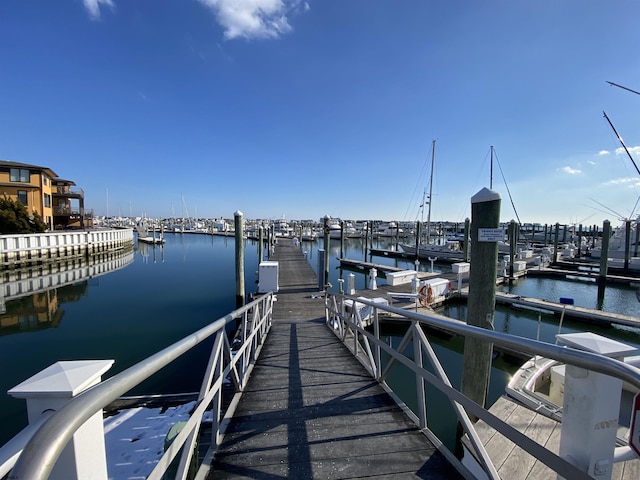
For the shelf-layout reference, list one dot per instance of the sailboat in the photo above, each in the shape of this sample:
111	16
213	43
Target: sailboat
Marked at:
447	251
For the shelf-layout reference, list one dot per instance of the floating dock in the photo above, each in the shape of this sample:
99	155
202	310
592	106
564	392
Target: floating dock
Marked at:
310	409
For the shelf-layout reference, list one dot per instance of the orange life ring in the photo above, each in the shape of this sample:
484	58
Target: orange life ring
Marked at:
426	295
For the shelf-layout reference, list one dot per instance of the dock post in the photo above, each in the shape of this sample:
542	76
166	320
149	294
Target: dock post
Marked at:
637	240
485	222
467	233
351	284
52	388
627	243
418	235
341	238
326	252
512	248
604	260
260	243
239	259
579	240
555	244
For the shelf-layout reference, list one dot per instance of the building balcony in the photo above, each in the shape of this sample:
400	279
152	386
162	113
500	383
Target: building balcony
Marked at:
68	192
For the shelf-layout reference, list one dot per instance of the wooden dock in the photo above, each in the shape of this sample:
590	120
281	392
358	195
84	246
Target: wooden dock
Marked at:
310	410
513	462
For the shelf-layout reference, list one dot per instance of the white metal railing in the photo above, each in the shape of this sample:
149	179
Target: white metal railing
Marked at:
368	348
41	452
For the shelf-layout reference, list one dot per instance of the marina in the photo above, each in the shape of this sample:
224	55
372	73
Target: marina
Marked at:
181	247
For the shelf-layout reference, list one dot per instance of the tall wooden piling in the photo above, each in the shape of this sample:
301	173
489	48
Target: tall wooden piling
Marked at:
604	260
467	233
627	244
485	233
326	251
555	244
341	238
239	250
260	244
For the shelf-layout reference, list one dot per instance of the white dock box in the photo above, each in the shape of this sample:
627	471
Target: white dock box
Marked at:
439	286
519	266
400	278
268	277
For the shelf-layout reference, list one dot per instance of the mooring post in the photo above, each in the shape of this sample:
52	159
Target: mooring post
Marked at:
627	244
326	252
260	243
604	260
341	238
512	247
555	244
418	235
485	233
637	240
239	240
467	233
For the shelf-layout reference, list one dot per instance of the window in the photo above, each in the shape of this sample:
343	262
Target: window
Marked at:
20	175
22	197
45	180
47	200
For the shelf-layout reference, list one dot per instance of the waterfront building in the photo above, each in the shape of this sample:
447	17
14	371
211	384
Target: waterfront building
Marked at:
57	201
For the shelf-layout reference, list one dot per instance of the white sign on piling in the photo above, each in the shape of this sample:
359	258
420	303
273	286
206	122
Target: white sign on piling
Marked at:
490	234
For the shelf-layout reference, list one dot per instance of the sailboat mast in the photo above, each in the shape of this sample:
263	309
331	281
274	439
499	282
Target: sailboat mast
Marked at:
433	158
491	171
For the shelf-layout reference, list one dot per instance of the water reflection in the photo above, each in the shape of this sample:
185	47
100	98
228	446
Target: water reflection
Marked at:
32	298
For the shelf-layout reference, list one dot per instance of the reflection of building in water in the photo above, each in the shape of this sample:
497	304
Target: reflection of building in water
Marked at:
33	312
31	298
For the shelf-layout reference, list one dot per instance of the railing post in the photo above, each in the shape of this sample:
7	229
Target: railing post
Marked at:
84	456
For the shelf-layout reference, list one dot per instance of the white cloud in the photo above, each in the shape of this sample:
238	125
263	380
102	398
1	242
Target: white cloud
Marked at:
570	171
93	6
604	152
635	150
630	181
254	18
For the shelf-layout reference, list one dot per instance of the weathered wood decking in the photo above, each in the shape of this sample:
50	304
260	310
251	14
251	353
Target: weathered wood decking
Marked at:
513	462
310	410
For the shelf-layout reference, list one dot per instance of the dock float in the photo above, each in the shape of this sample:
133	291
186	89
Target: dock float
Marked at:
514	462
310	409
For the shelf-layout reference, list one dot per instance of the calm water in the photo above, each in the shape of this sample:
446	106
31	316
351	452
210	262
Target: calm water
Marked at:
165	294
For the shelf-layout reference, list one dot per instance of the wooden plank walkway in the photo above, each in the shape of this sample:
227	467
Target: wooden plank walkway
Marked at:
513	462
310	410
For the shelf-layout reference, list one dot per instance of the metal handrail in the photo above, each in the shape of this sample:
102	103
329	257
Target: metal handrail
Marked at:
344	324
42	451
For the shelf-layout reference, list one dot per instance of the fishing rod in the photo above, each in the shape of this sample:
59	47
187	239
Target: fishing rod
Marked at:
621	142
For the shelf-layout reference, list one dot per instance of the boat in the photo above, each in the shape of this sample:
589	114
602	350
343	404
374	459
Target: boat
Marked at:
539	382
337	229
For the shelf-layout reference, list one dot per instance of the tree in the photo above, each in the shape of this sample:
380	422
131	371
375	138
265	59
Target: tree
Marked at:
14	218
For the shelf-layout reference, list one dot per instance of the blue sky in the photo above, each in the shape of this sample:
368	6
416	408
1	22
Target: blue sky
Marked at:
307	108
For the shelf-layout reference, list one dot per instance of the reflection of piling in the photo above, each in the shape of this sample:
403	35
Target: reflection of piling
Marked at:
604	260
485	216
239	249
